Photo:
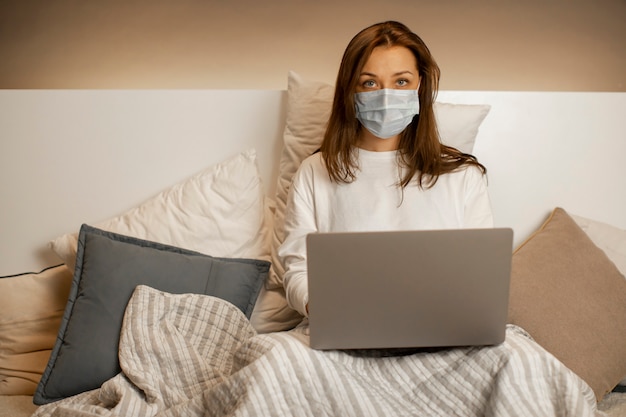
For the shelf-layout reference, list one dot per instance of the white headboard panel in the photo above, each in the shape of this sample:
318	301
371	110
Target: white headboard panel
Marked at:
82	156
69	157
545	149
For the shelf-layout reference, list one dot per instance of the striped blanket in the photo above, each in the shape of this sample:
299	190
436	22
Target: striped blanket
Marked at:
195	355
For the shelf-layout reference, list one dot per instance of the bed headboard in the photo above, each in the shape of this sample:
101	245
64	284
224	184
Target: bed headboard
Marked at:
75	156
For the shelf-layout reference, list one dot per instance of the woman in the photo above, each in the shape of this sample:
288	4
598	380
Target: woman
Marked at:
381	165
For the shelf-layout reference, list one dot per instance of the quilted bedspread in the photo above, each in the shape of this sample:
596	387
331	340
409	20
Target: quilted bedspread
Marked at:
196	355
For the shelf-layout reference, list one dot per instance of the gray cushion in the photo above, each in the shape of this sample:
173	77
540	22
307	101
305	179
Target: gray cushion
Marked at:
108	268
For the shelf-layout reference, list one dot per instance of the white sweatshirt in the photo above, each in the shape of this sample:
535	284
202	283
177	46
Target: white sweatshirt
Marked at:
372	202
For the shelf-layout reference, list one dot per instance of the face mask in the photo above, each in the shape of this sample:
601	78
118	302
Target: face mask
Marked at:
387	112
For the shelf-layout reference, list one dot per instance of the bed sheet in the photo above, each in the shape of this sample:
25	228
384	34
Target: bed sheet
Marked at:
195	355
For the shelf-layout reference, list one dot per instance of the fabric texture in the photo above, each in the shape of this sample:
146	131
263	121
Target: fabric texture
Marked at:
572	299
308	109
31	307
316	204
173	367
109	267
17	406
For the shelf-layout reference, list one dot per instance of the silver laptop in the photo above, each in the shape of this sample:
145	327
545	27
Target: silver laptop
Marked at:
429	288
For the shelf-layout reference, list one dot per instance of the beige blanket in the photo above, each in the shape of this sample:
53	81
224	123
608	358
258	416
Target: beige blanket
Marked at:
194	355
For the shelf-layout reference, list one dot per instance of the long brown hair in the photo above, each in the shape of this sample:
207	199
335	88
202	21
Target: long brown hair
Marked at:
420	148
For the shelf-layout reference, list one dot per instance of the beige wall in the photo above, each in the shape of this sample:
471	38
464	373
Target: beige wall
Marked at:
558	45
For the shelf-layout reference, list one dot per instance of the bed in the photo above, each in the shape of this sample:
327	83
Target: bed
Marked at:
151	221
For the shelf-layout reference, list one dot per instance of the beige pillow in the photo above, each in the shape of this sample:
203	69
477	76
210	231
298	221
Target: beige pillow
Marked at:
572	299
611	239
31	307
308	109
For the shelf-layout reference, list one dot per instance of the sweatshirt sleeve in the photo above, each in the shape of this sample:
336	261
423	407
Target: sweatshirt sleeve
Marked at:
299	222
477	204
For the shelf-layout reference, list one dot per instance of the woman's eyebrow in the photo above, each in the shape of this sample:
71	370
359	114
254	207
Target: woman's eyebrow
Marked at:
403	73
370	74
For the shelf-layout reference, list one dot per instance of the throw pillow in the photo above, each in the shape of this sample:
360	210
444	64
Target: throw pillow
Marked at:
31	307
611	239
572	299
219	211
108	268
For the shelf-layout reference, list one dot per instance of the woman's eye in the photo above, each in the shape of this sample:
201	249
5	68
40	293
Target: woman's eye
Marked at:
369	84
403	83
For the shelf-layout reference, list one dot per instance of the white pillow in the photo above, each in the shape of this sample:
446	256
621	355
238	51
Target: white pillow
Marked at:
308	109
458	124
219	212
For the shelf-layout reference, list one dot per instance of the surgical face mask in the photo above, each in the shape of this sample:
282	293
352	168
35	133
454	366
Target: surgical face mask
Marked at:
387	112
